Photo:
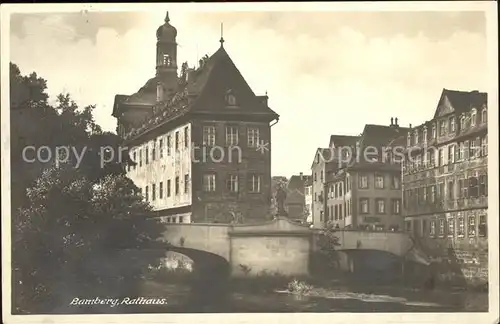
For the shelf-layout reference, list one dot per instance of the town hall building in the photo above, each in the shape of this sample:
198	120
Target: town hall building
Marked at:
200	139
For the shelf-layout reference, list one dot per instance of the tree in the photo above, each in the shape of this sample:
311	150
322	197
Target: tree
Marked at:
76	222
328	242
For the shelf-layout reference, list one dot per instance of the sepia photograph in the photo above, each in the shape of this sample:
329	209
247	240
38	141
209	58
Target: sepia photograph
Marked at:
164	160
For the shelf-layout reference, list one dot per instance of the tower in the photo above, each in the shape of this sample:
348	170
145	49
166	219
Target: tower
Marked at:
166	60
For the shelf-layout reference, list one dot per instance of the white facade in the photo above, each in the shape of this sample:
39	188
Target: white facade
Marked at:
309	202
163	171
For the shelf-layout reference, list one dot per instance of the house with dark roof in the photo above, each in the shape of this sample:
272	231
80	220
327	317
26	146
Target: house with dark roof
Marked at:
200	138
445	183
364	192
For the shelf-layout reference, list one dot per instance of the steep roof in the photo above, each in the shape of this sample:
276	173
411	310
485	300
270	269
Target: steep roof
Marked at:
209	85
380	135
297	182
460	101
343	140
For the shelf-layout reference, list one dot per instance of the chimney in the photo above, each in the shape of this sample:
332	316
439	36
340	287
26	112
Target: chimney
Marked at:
301	176
396	121
410	126
392	121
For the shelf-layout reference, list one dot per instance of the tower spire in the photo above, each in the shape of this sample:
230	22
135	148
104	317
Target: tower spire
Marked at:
221	34
167	18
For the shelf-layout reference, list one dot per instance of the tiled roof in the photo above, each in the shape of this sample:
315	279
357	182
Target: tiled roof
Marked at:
209	85
343	140
463	101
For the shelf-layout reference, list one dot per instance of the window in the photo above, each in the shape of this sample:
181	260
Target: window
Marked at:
177	185
254	183
396	206
166	59
174	219
433	228
473	117
209	182
471	228
363	181
462	123
230	98
484	146
160	147
340	212
483	185
396	182
442	128
452	124
208	135
441	157
463	188
231	135
451	227
473	149
364	206
181	219
135	159
321	176
416	137
169	191
161	190
461	226
440	191
466	150
169	144
441	226
451	153
232	183
253	137
315	176
482	228
433	131
186	137
379	181
153	192
424	135
380	206
153	152
473	186
186	183
484	116
177	141
451	190
433	193
408	140
424	227
147	193
340	189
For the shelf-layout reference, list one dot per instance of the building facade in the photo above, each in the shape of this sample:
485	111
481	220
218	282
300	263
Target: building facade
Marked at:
201	139
308	200
365	193
445	181
295	203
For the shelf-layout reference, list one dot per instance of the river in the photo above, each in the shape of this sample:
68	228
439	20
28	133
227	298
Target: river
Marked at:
336	298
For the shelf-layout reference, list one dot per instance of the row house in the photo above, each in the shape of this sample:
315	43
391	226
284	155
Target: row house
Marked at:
445	176
365	194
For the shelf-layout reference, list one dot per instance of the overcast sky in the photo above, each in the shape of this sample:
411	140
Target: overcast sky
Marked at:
325	73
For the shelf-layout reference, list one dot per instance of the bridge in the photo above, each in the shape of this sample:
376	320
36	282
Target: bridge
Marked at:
278	246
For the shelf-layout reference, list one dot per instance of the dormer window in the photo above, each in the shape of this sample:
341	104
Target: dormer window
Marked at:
462	122
408	140
473	116
484	116
433	131
452	124
230	98
416	136
425	134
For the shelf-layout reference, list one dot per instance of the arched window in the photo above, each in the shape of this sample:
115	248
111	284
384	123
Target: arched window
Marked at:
416	136
484	116
166	60
473	116
433	131
462	122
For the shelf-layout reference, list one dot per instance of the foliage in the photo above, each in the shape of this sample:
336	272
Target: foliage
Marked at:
74	229
328	241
